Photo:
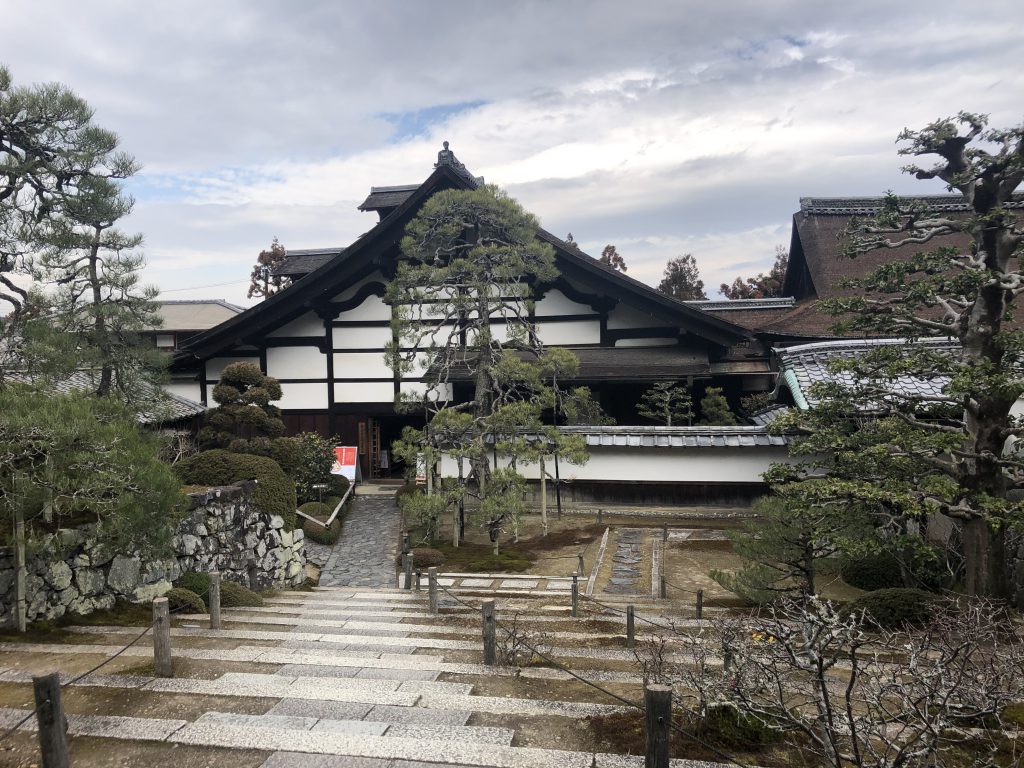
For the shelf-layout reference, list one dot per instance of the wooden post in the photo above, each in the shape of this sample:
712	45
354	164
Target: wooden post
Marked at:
407	569
21	573
543	498
581	569
575	594
664	588
214	600
664	532
53	727
700	604
162	638
630	626
658	724
254	579
419	575
490	638
432	589
600	514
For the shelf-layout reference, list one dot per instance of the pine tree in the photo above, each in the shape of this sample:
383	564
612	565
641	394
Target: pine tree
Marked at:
763	286
611	257
667	404
264	280
682	279
714	409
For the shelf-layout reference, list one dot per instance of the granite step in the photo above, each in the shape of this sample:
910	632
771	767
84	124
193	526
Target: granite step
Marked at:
367	726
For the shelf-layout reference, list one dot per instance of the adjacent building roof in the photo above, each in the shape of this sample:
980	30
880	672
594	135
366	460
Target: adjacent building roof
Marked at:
299	263
802	366
167	408
678	437
195	314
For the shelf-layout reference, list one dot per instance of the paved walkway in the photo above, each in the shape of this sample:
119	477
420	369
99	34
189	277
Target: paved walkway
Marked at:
365	554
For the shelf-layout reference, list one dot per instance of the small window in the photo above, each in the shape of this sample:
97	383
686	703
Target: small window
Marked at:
165	340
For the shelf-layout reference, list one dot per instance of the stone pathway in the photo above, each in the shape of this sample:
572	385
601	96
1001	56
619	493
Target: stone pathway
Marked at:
365	554
627	562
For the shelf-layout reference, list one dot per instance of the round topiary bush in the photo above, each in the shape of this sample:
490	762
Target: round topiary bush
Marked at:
879	570
234	595
320	535
424	557
184	601
895	608
275	492
197	583
337	486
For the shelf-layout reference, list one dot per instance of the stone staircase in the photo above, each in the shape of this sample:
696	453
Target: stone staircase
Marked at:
350	677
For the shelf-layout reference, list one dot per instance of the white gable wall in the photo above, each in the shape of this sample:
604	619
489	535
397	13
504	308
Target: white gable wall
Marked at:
308	324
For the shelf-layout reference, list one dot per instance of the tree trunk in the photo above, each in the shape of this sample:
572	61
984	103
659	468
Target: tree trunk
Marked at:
984	559
100	331
543	497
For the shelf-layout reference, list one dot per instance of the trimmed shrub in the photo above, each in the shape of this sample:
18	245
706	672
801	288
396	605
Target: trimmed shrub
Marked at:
197	583
424	557
234	595
184	601
275	492
316	509
320	535
894	608
337	486
505	562
879	570
332	501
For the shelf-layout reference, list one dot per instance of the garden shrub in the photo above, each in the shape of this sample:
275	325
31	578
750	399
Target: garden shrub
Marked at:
318	534
505	562
877	570
197	583
896	607
337	485
728	727
424	557
332	501
184	601
233	595
275	492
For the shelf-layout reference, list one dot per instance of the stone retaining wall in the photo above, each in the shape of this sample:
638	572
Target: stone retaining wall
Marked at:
221	531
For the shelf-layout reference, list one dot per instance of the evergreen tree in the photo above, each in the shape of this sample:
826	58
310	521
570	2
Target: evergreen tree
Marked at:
611	257
244	421
763	286
667	404
714	409
682	279
264	280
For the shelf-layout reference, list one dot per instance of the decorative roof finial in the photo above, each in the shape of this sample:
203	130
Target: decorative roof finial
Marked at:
446	157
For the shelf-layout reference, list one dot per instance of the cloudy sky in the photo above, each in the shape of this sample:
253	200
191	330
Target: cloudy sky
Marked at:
663	127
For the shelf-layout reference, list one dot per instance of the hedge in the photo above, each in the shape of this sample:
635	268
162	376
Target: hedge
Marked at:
275	492
895	608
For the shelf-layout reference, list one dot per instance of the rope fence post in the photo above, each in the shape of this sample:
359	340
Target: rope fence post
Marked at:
419	576
664	588
664	532
214	599
432	589
53	734
600	515
250	568
581	569
162	638
575	594
490	638
630	626
407	570
700	604
657	723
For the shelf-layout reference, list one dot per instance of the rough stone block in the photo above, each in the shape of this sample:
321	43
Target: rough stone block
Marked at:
125	574
276	522
58	575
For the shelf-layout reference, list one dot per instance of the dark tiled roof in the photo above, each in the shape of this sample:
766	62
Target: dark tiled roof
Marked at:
387	197
803	366
677	437
299	263
870	206
752	314
166	407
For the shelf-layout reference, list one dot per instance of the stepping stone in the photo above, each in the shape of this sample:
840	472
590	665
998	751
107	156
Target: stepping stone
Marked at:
308	670
476	582
351	727
560	585
418	715
423	675
334	710
519	584
292	722
301	760
460	734
446	582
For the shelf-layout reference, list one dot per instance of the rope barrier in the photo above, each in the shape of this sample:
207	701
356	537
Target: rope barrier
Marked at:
10	731
558	665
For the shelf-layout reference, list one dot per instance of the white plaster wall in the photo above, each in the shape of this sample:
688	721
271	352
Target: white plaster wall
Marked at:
360	365
678	465
187	389
646	343
441	392
364	392
296	363
554	302
302	397
361	338
215	365
570	332
372	308
306	325
623	316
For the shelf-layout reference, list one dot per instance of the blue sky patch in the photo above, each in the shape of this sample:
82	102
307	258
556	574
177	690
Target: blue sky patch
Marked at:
415	123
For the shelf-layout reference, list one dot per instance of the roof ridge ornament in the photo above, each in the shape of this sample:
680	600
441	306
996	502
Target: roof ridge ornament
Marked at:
447	157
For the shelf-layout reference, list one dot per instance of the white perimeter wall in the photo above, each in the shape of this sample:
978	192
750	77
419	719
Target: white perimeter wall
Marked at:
677	465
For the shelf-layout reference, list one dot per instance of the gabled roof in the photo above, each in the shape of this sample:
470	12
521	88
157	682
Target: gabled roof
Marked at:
362	258
387	197
298	263
194	314
803	366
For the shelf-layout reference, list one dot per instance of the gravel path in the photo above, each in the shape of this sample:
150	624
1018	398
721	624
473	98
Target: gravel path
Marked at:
365	554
